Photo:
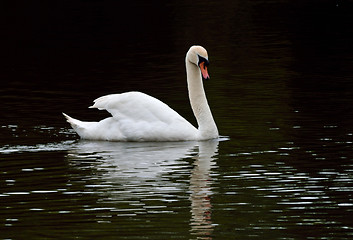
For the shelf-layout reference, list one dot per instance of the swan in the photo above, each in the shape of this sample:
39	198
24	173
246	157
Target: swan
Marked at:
139	117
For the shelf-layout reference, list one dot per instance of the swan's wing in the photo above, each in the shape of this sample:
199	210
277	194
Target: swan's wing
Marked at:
136	105
140	116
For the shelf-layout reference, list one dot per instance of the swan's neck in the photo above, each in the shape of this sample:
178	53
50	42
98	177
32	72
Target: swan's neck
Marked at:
206	125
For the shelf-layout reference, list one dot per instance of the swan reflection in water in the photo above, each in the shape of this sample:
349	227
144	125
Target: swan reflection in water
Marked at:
126	171
200	188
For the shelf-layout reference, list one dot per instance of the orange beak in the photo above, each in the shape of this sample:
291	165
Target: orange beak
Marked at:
204	72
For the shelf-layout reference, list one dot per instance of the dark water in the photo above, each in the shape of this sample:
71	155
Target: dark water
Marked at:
281	89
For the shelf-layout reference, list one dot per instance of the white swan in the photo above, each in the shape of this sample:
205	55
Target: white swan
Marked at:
140	117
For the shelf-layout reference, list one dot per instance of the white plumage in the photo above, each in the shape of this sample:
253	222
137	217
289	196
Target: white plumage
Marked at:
139	117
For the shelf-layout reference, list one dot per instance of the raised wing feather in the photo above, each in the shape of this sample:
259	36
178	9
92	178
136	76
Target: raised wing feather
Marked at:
140	115
138	106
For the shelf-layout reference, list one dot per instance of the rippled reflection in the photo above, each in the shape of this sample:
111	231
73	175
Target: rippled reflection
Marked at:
282	198
138	173
201	190
174	188
139	168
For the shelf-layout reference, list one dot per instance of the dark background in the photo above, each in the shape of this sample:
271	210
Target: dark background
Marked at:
57	56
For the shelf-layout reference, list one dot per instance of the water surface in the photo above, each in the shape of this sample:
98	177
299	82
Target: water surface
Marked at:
280	89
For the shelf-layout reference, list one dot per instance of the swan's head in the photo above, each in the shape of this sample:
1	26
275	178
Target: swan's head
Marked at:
198	56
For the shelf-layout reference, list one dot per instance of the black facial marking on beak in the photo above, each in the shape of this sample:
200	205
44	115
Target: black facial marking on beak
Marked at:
203	60
203	64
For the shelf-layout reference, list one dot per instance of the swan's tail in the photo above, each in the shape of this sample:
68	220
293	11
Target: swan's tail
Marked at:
74	122
102	130
77	125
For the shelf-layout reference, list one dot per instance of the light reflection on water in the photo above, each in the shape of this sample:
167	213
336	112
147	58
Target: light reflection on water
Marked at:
125	179
144	185
142	172
319	202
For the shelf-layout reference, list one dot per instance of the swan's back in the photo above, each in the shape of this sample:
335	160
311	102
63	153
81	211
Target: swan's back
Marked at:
137	106
136	117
